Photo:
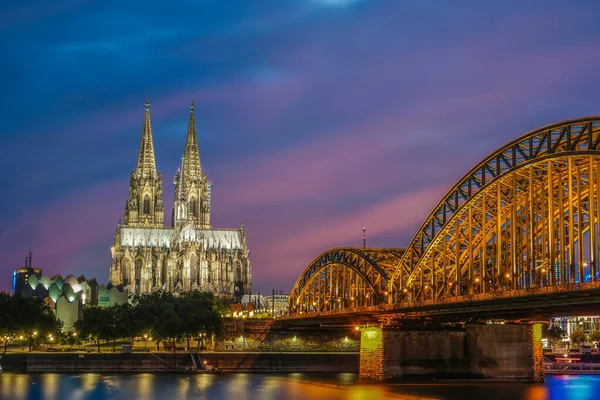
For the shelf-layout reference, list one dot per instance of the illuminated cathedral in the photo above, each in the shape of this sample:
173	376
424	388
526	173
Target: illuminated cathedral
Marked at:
148	256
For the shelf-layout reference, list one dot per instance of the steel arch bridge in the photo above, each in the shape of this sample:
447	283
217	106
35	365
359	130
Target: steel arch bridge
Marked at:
345	278
525	217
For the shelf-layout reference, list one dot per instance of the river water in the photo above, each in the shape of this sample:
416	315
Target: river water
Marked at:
53	386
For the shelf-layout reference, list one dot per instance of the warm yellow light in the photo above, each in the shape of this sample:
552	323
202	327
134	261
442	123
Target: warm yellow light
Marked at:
352	298
21	337
314	303
507	275
74	333
405	290
356	328
476	279
145	336
51	339
34	333
150	338
367	295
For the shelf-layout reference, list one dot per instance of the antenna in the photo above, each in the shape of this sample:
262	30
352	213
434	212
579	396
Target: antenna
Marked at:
364	237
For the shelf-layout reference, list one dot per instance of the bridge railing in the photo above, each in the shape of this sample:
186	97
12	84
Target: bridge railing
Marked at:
496	295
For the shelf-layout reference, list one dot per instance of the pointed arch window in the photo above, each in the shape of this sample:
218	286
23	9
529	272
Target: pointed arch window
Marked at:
138	274
193	206
146	208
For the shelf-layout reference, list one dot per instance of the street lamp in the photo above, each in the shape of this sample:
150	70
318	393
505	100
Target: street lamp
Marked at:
145	338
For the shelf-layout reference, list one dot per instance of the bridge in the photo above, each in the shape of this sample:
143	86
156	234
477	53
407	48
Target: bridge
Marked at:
516	238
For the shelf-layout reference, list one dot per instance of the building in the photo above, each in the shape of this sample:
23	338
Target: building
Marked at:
190	254
21	275
278	303
67	296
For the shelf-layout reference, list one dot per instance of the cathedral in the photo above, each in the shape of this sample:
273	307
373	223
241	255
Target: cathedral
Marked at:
190	254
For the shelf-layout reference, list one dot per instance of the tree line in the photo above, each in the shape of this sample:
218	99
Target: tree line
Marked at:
25	319
577	337
159	317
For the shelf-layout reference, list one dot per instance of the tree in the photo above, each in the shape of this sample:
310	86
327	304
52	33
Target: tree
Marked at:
595	336
556	334
94	324
29	317
578	337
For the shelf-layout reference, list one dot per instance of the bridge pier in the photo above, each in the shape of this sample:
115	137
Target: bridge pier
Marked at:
472	351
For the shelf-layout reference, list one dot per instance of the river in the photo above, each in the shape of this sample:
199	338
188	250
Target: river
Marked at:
51	386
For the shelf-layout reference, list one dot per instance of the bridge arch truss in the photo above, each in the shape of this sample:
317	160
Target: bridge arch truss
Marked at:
524	217
343	278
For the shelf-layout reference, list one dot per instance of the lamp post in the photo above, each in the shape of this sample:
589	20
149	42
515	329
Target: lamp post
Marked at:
145	338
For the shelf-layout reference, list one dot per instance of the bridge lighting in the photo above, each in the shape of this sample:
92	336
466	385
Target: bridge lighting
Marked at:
476	280
339	300
507	275
367	295
543	270
585	264
405	290
352	298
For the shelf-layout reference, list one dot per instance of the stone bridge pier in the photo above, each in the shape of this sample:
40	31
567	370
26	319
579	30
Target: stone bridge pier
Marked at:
485	351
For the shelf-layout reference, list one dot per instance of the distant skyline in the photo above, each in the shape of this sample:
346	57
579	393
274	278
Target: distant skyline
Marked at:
315	117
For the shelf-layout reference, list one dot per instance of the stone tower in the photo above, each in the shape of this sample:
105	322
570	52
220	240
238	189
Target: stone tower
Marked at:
144	207
192	188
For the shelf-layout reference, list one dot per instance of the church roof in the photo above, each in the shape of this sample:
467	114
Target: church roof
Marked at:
212	239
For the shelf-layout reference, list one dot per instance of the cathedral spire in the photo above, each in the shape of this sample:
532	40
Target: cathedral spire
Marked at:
146	164
191	168
144	207
192	189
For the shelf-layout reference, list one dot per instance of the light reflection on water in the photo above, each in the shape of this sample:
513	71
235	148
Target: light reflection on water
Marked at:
284	386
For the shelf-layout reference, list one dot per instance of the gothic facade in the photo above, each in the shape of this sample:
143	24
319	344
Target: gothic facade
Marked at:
190	254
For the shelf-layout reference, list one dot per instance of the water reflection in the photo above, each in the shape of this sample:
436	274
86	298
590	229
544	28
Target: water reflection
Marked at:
284	386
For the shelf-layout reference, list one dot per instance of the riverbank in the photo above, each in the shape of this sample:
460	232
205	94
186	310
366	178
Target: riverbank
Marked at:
168	362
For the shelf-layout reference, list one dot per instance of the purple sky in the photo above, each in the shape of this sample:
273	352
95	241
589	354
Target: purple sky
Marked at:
315	117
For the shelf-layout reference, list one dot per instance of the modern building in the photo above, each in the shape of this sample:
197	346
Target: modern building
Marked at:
278	303
21	275
67	296
190	254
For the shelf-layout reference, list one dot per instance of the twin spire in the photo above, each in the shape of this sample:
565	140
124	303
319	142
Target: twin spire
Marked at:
190	162
146	163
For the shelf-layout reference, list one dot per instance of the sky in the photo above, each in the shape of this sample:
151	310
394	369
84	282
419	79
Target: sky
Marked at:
315	117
